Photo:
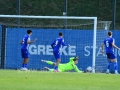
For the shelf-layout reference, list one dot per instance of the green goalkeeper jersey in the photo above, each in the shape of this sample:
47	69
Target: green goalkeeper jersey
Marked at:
68	66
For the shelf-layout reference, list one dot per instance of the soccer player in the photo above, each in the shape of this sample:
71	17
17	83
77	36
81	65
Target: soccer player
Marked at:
109	46
24	49
56	45
71	65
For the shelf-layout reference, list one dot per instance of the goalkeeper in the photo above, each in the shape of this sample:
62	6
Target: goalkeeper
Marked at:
71	65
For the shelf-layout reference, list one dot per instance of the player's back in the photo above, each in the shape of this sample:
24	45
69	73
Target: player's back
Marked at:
108	45
58	43
24	44
66	66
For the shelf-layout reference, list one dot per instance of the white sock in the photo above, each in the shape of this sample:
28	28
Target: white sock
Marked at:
107	70
116	71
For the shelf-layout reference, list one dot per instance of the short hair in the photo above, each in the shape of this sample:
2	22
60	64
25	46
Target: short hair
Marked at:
60	34
29	31
76	58
109	33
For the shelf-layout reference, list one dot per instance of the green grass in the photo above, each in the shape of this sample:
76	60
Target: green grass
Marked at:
37	80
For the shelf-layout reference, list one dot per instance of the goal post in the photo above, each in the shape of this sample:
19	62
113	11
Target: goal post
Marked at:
94	45
93	23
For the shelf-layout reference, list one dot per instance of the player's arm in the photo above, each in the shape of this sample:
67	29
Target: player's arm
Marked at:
102	47
115	46
29	42
76	69
64	43
112	42
52	45
21	42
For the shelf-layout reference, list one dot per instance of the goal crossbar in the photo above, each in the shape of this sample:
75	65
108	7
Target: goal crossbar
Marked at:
46	17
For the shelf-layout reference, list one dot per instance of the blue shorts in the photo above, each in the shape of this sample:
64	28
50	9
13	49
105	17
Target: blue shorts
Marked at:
111	56
24	53
56	54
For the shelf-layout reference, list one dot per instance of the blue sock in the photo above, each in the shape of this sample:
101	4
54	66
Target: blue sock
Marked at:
25	65
108	67
56	67
115	66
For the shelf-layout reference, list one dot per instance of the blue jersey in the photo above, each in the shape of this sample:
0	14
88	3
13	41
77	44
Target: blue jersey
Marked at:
57	44
24	42
108	45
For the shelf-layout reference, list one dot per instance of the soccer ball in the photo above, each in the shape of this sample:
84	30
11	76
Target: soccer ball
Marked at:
89	69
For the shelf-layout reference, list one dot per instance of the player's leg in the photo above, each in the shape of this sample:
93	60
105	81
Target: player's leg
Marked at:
115	66
25	62
48	69
57	63
25	55
22	54
58	60
115	63
108	66
48	62
109	63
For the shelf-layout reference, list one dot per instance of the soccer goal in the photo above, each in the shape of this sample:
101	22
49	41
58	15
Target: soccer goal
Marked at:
79	32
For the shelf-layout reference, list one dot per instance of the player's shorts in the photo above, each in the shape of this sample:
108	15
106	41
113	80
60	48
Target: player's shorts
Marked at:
111	56
24	53
56	54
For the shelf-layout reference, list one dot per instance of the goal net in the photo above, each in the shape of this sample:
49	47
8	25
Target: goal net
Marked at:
80	32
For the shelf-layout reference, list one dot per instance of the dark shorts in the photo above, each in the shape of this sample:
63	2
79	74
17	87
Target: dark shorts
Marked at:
111	56
56	54
24	53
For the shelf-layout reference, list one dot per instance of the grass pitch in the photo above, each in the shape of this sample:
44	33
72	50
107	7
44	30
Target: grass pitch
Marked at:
38	80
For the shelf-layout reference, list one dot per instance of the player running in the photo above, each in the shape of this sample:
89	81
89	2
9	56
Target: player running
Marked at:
109	46
24	49
71	65
56	45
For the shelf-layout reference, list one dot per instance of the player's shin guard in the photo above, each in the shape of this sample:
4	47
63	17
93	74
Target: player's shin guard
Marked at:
108	67
25	65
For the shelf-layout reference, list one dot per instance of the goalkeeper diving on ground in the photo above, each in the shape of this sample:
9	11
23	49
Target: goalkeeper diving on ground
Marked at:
71	65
